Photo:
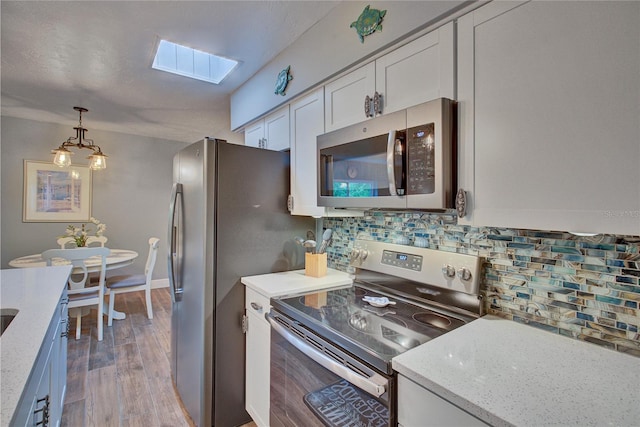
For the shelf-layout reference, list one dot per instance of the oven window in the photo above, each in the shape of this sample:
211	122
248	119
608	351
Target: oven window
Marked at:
303	393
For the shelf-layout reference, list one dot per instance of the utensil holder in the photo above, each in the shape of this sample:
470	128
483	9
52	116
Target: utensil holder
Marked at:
315	265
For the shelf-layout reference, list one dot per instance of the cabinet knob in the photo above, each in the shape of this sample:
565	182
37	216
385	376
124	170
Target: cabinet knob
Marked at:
256	306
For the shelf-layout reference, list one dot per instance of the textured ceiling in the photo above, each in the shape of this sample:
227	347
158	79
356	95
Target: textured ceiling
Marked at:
98	54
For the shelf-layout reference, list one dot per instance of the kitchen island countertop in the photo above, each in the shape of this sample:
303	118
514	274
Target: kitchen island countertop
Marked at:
35	293
292	282
506	373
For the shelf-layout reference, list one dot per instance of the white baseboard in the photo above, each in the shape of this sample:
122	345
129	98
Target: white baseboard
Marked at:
160	283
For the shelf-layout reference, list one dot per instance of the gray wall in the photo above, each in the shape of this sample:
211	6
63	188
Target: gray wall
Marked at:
131	196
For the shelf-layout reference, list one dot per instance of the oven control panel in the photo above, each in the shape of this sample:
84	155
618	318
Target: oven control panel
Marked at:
402	260
449	270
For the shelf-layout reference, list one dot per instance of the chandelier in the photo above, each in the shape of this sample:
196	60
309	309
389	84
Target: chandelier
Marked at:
62	158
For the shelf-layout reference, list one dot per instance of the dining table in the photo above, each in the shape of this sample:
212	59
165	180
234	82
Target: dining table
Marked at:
117	258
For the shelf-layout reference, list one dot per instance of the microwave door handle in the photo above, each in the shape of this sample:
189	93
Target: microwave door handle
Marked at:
326	175
396	163
391	174
176	293
375	385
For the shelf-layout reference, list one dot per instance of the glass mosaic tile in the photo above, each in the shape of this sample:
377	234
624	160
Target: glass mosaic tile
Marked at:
586	288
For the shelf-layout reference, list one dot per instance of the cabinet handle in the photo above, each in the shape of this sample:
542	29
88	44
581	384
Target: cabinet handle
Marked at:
65	332
256	306
367	106
290	203
45	411
461	203
377	103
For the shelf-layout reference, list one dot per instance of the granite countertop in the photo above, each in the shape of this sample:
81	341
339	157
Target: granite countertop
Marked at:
293	282
35	292
506	373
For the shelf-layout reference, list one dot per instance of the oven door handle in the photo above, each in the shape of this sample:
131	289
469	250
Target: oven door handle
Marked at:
375	385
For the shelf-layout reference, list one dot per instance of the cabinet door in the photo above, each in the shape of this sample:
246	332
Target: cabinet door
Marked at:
418	406
276	130
344	97
254	134
418	72
59	364
549	103
307	122
258	358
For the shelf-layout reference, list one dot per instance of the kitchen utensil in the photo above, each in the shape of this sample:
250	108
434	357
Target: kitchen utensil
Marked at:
309	245
299	240
378	301
326	238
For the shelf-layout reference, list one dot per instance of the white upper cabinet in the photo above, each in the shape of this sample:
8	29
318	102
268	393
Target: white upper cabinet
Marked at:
549	101
344	97
307	122
417	72
254	134
271	132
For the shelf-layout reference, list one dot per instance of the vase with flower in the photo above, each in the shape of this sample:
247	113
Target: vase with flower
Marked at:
80	234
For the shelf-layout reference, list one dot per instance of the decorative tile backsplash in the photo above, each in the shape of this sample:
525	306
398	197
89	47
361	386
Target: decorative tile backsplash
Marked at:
585	288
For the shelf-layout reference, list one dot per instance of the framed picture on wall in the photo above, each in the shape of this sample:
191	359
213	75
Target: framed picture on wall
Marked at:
55	194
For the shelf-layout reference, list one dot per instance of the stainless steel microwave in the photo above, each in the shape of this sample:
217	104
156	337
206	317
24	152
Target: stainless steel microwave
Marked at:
399	160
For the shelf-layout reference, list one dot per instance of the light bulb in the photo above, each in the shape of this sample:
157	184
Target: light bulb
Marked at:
97	161
62	157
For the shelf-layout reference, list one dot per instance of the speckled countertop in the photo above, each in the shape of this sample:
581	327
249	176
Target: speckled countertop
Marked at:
506	373
35	293
293	282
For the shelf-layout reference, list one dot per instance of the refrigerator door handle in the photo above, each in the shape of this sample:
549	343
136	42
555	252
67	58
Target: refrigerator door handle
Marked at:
176	292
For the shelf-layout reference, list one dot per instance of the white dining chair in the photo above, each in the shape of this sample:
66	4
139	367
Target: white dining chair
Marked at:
99	240
134	282
66	242
80	295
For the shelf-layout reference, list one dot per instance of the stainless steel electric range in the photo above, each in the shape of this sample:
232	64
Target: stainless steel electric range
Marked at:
331	351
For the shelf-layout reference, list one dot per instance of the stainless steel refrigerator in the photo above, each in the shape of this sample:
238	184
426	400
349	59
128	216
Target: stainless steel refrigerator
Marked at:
227	219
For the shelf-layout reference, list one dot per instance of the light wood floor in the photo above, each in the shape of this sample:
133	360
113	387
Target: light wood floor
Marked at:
124	380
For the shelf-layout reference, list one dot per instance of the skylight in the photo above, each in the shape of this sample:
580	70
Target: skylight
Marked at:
188	62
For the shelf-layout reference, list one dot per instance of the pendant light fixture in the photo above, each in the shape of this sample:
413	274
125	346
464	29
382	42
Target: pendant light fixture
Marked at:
62	158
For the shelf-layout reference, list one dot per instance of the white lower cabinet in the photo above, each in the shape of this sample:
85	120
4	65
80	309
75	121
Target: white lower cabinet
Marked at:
418	407
43	397
257	367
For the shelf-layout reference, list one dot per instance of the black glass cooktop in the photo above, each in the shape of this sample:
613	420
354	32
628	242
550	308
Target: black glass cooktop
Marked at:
375	334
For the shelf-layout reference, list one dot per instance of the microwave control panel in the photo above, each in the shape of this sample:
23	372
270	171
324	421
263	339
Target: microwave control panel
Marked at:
421	165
